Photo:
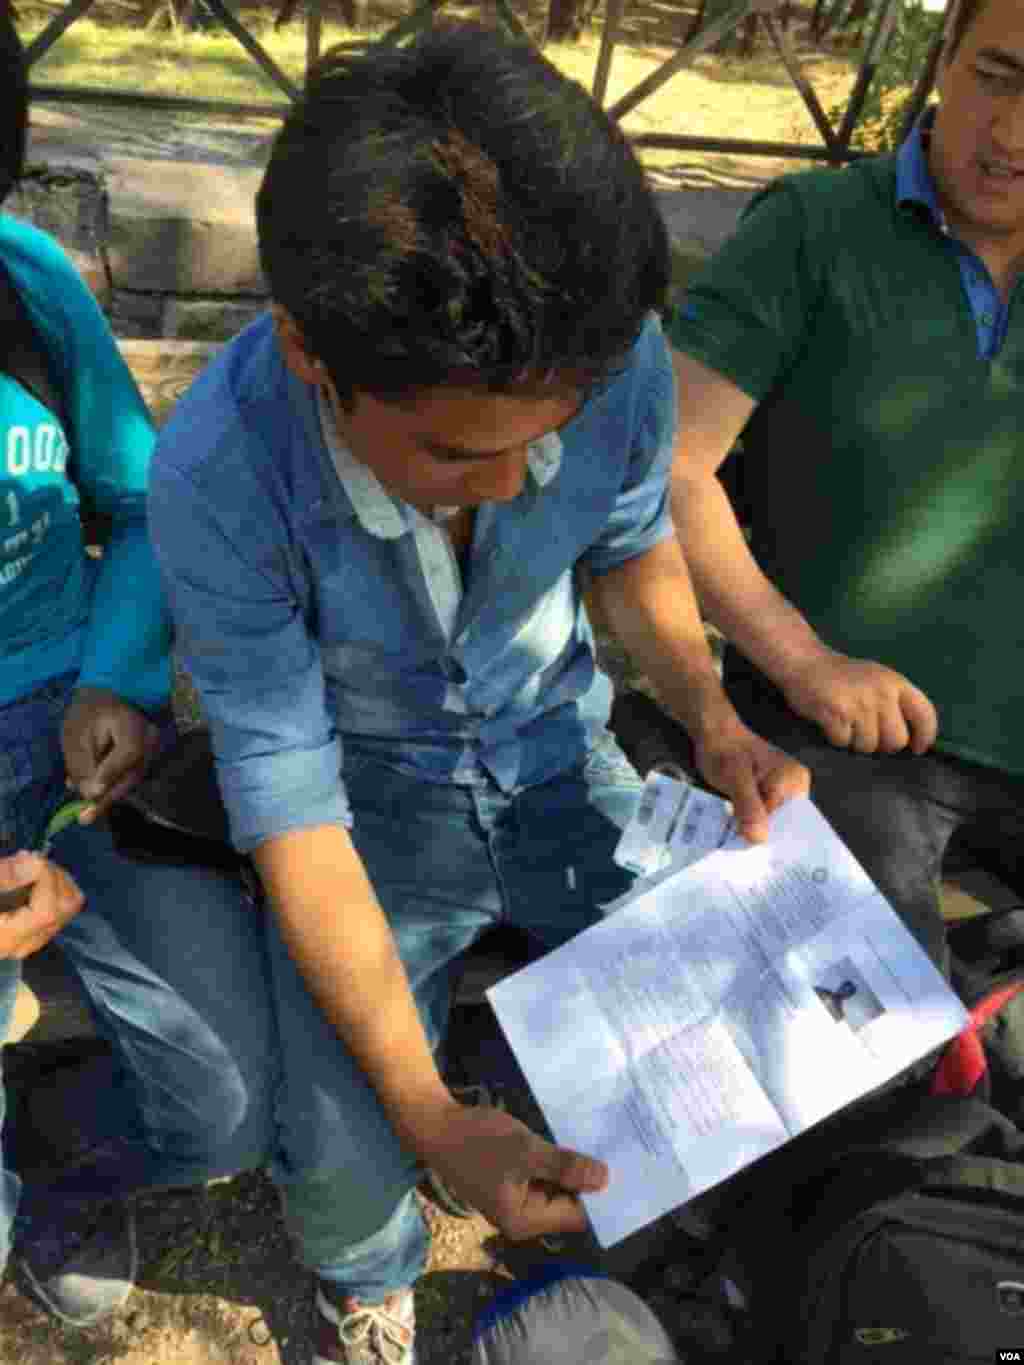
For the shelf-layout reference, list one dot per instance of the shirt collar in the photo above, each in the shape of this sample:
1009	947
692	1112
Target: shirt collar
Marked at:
388	518
914	183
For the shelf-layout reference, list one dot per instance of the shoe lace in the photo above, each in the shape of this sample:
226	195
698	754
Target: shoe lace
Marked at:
388	1331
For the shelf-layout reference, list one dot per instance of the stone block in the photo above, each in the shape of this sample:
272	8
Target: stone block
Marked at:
704	218
70	204
209	319
183	227
136	315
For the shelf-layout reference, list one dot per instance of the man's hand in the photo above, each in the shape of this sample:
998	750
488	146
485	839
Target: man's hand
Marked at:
860	704
54	900
524	1186
751	773
108	745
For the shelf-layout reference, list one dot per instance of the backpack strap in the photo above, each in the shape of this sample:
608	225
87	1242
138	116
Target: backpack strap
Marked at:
181	792
933	1127
975	1173
176	816
986	945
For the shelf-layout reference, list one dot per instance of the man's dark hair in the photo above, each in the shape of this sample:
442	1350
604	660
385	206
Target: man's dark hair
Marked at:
13	102
964	16
456	212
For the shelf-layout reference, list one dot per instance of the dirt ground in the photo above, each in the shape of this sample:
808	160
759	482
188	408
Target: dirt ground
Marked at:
218	1284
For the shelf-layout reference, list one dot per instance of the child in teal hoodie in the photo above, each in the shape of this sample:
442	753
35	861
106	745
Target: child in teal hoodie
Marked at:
85	678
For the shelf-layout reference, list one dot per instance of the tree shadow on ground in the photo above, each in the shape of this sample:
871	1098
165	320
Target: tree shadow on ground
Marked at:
218	1282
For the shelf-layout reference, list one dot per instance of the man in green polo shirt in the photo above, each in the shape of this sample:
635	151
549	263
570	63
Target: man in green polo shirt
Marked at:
863	330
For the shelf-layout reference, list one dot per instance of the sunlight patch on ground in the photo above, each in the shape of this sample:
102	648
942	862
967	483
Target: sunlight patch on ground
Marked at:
698	101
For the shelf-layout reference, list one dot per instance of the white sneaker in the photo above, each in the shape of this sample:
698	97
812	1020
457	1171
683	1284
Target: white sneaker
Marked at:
351	1332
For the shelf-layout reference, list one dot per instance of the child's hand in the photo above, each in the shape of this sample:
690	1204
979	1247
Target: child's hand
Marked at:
108	746
53	900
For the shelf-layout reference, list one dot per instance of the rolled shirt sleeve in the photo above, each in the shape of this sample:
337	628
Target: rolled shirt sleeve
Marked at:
242	636
746	313
641	517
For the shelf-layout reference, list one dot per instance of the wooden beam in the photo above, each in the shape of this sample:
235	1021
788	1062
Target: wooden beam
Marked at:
707	37
609	37
803	85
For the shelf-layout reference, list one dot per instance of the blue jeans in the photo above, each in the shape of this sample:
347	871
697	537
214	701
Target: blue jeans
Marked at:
447	862
164	954
230	1063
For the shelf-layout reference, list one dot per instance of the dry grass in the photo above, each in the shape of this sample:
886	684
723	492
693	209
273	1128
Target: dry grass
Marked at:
718	96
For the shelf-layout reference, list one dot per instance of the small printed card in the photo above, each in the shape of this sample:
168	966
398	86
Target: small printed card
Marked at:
675	824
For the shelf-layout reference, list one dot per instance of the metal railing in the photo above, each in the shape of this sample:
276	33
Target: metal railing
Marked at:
835	145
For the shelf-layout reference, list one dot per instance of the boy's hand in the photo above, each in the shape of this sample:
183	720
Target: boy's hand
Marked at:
524	1186
751	773
54	899
108	745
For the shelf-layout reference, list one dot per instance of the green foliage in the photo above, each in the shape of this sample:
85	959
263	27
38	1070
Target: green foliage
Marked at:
881	120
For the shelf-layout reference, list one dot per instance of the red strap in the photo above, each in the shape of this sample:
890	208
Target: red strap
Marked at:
963	1062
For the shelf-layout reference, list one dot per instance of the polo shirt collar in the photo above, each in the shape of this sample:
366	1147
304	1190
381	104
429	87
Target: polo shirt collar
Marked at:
914	183
388	518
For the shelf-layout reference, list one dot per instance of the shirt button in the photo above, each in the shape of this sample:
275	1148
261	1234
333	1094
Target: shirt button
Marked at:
987	319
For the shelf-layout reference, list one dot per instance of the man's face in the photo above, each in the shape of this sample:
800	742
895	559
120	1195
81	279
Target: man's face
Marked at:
977	147
453	447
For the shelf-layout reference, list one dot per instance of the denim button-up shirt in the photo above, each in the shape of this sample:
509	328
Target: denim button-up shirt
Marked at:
311	606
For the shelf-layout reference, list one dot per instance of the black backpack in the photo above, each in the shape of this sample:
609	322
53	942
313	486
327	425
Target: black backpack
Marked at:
987	968
176	815
892	1234
894	1231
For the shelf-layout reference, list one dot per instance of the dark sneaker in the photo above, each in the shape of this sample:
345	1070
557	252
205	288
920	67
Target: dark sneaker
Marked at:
81	1266
350	1332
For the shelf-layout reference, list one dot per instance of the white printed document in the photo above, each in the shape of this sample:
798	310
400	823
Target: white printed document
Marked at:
720	1009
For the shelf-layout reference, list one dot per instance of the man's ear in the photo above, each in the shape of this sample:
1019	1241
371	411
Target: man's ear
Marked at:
293	347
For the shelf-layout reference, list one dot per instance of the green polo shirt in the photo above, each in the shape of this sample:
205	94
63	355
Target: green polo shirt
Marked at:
883	462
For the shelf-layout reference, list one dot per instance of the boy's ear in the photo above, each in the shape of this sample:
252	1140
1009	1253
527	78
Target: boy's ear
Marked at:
293	347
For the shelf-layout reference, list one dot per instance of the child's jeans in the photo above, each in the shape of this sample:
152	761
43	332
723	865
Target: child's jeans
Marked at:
194	1094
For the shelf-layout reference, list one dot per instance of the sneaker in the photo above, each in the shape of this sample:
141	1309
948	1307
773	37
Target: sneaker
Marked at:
81	1266
351	1332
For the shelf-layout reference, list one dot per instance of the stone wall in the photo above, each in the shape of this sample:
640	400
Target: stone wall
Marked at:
169	247
156	272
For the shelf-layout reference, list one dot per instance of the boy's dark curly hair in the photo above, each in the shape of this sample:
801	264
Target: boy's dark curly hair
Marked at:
13	102
457	213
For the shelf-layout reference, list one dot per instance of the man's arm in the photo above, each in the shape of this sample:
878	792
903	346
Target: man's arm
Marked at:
733	592
650	604
340	940
639	580
858	703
